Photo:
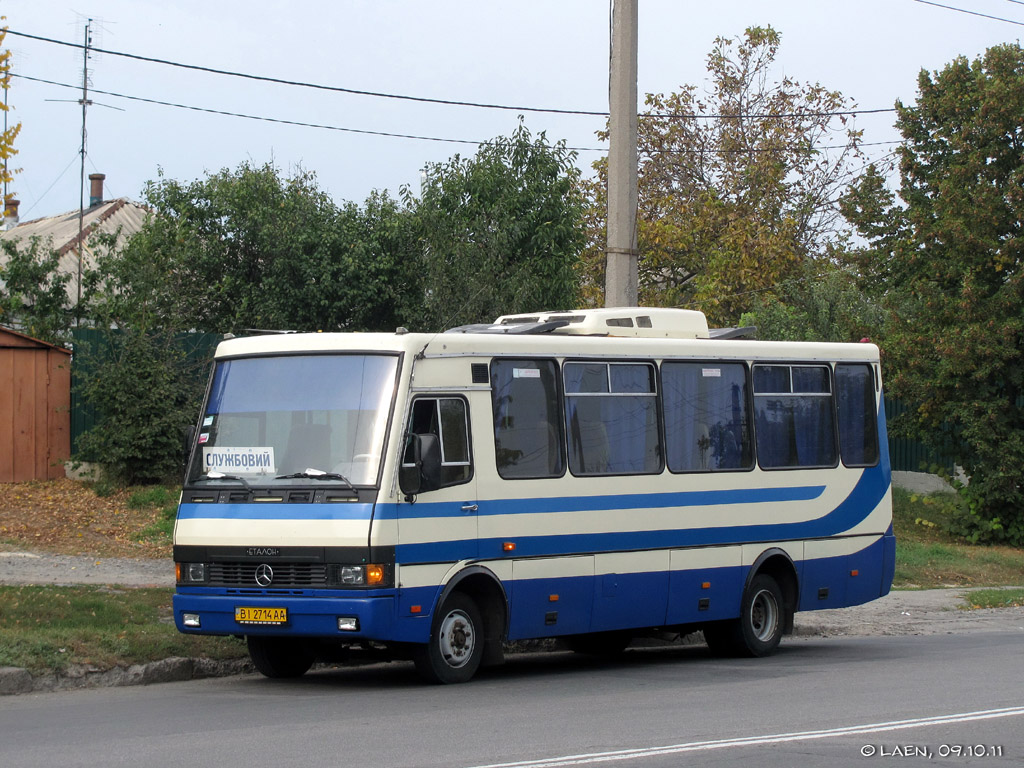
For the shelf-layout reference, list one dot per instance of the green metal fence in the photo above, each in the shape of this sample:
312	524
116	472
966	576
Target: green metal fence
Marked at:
907	455
91	346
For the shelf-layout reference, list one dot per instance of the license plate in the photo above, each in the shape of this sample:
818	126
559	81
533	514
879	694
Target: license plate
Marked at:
253	615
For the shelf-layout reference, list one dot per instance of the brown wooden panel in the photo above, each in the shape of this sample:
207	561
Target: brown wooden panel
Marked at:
24	415
6	416
58	433
41	415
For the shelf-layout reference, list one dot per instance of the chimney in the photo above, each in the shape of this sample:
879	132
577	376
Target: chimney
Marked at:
11	213
96	189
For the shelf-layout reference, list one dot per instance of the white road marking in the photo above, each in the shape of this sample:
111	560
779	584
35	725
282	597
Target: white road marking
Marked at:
749	741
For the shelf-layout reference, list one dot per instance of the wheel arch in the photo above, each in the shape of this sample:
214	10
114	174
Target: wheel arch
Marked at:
486	590
777	563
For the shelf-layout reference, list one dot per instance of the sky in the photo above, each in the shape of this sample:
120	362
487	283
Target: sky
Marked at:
524	53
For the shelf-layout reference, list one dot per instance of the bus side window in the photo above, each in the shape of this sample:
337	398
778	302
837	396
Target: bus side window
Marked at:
858	426
611	412
528	437
794	421
707	416
444	417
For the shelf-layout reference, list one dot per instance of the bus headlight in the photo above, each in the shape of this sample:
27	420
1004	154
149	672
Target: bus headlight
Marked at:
190	573
353	575
361	575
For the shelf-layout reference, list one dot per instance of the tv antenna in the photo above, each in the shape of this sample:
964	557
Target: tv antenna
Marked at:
85	102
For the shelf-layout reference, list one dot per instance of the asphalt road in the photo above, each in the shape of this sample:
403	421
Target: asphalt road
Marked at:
832	701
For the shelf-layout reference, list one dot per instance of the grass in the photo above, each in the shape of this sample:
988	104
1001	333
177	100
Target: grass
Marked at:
48	629
927	557
162	498
996	598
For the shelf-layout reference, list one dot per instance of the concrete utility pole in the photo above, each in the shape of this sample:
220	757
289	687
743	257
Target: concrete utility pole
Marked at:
620	287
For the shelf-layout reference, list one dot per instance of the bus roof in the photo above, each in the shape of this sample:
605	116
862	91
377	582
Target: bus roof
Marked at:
619	333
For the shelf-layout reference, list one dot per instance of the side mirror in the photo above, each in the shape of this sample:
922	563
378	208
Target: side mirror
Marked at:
421	470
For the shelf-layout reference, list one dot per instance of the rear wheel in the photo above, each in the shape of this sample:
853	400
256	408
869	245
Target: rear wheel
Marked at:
758	630
280	657
456	646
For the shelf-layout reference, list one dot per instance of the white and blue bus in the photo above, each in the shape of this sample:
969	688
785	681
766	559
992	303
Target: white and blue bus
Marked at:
593	476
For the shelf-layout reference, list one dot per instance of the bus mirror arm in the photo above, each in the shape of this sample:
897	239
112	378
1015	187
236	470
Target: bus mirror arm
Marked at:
189	437
424	474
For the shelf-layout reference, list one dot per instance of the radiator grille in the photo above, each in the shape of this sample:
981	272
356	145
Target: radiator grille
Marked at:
285	575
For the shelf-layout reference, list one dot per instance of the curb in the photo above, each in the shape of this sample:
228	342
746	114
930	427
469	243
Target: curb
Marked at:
16	680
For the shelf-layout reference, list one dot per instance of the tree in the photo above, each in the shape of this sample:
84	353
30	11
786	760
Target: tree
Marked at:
949	264
250	249
132	366
33	292
738	187
7	136
824	303
501	232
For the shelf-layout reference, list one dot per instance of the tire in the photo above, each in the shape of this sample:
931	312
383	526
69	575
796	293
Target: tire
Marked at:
280	657
758	630
456	644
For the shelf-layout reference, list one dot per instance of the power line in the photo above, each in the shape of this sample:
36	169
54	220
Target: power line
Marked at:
316	86
386	134
445	102
972	13
269	119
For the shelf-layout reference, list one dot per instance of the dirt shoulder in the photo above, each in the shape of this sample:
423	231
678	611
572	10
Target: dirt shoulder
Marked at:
67	517
910	612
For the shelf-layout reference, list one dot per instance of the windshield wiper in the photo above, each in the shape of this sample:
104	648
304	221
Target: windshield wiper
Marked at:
318	474
222	476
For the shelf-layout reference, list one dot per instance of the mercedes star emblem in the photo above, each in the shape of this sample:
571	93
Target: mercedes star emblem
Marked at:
264	575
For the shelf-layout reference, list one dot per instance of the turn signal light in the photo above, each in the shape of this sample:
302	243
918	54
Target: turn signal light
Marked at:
374	574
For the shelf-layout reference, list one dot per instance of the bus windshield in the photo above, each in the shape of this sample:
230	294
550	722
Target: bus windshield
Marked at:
317	417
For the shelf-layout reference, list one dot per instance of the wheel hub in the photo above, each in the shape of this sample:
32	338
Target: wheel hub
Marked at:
456	639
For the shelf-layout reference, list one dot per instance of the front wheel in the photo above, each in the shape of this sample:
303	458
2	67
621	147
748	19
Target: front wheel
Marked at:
280	657
455	648
758	630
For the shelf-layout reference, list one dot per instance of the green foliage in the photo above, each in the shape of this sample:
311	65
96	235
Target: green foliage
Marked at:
824	304
152	496
146	392
249	249
735	190
949	268
33	291
501	232
930	553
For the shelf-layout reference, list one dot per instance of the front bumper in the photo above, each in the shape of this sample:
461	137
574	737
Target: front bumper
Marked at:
314	615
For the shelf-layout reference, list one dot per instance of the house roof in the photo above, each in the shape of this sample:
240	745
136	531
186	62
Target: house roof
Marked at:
11	339
62	232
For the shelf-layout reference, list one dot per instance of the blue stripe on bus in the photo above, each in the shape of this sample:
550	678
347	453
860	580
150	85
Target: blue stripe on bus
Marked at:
553	504
864	497
351	511
275	511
